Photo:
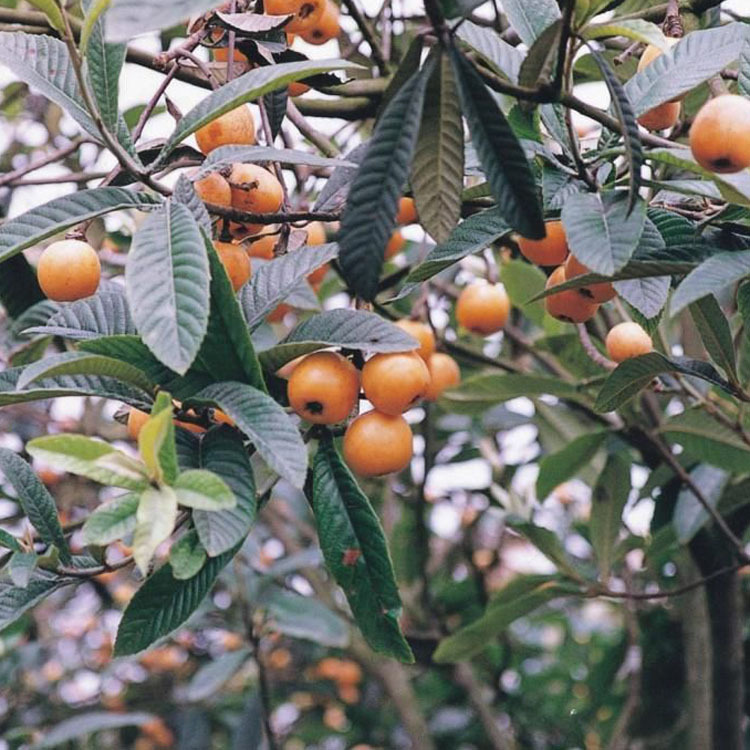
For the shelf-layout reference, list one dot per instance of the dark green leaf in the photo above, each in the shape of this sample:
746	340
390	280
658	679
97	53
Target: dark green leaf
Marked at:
187	556
556	468
689	515
713	275
713	328
531	17
225	156
15	601
19	288
84	724
112	521
184	193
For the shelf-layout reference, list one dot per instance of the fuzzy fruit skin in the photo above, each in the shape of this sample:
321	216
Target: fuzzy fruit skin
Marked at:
213	188
377	444
235	262
234	127
394	382
422	333
255	189
324	388
720	134
326	27
483	308
568	305
549	251
602	292
307	13
395	245
661	117
444	373
69	270
407	211
627	340
263	247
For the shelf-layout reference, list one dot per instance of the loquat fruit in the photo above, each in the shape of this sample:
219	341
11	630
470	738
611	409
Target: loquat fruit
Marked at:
262	247
483	308
394	382
306	13
652	52
720	134
279	313
136	420
235	261
324	388
255	189
326	27
661	117
444	373
568	305
69	270
602	292
407	211
377	444
221	55
213	188
316	235
234	127
551	250
422	333
395	245
626	340
297	88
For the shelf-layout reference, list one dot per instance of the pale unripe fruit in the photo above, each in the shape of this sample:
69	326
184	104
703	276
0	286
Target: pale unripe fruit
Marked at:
720	134
69	270
377	444
483	308
627	340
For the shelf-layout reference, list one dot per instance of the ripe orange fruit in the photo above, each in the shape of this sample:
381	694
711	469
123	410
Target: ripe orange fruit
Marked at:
394	382
483	308
136	420
263	247
221	54
568	305
234	127
549	251
235	262
602	292
444	373
627	340
69	270
158	732
255	189
395	245
306	12
661	117
407	211
720	134
377	444
326	27
297	88
422	333
324	388
278	315
213	188
316	235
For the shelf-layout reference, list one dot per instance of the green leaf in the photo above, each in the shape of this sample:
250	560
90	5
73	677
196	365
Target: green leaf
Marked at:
696	58
268	426
437	172
647	295
35	501
541	59
556	468
522	281
126	19
92	21
743	78
743	306
164	603
84	724
44	63
356	553
245	88
631	135
14	601
689	515
370	214
227	352
81	363
187	556
20	567
156	444
531	17
52	11
203	490
501	155
500	56
472	235
112	521
348	329
59	214
482	391
275	104
710	441
548	543
184	193
633	375
9	541
19	288
167	282
608	498
271	282
212	676
517	598
223	453
636	29
90	458
154	522
601	232
711	276
713	328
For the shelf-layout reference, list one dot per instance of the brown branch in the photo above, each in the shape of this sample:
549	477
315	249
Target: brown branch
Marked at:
50	158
